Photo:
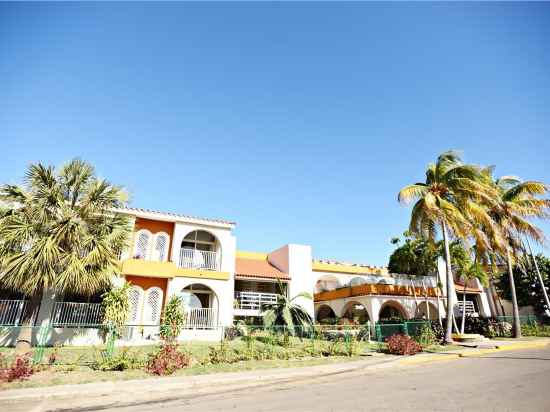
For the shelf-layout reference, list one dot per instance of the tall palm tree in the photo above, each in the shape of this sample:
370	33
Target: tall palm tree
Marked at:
449	200
517	201
58	232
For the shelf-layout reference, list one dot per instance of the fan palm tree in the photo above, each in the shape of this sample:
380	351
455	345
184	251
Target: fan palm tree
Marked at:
285	312
517	201
449	200
469	272
58	233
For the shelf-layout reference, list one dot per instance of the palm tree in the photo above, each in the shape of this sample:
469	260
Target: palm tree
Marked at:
450	200
516	202
284	312
470	271
58	232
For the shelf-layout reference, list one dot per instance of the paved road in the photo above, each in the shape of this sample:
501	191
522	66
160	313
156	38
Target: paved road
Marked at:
507	381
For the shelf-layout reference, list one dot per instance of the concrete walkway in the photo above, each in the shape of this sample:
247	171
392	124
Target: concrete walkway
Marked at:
135	392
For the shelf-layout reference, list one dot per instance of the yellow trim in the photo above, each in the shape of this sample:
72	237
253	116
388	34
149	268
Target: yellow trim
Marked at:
251	255
202	274
339	268
145	268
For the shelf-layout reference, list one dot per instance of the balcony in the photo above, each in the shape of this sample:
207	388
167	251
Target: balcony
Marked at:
198	259
251	303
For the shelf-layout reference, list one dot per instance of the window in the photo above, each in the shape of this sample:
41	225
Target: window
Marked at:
143	244
160	251
199	240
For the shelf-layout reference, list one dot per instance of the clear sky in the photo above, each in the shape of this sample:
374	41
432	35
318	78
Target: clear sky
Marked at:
300	122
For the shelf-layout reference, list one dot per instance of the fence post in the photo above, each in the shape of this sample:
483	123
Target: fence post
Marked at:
41	339
405	328
378	331
110	341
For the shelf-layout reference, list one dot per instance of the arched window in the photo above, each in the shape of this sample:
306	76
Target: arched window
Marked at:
152	306
160	249
143	244
135	297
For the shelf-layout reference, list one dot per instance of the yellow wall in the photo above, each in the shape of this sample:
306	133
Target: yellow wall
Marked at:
145	268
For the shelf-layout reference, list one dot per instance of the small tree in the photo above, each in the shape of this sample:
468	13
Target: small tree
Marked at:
284	312
469	272
116	306
172	318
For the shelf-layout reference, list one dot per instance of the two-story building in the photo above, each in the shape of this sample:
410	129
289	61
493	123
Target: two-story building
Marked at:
197	259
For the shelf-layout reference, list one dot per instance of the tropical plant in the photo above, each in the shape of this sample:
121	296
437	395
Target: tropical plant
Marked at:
116	305
172	318
527	283
470	271
285	312
416	256
449	200
58	232
516	202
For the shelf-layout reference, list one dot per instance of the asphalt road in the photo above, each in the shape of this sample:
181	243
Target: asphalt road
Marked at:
508	381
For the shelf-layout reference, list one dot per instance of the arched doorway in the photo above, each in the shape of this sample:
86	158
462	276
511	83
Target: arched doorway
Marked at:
201	306
426	310
392	310
325	314
356	312
200	250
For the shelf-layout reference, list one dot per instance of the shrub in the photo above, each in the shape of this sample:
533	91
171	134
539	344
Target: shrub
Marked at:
116	306
438	330
402	345
535	330
172	318
120	362
167	360
21	368
426	336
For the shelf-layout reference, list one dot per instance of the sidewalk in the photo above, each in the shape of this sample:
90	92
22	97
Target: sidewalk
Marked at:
123	393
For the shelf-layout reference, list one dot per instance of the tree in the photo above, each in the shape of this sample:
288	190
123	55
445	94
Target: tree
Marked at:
58	232
284	312
173	318
470	271
415	257
516	202
527	284
449	200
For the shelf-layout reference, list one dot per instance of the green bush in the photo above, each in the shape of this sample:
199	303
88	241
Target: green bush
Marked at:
535	330
426	336
126	359
172	318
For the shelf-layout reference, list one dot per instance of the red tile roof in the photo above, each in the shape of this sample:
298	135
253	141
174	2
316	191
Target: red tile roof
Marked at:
258	268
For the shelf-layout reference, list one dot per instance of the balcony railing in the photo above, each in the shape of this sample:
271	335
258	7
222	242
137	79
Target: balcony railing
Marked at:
470	308
73	313
198	259
202	318
11	312
253	300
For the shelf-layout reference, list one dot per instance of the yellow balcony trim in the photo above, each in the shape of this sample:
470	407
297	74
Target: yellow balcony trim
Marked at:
140	267
202	274
339	268
251	255
146	268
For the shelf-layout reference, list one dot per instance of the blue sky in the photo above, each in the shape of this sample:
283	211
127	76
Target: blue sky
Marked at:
299	121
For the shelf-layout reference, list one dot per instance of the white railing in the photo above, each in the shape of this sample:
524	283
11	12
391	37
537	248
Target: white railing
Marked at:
198	259
253	300
470	308
203	318
73	313
11	312
398	280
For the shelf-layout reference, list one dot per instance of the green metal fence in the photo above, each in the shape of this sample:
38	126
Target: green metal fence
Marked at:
530	320
411	328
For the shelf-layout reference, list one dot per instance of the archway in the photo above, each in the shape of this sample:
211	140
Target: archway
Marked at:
392	310
426	310
356	312
200	250
325	314
201	306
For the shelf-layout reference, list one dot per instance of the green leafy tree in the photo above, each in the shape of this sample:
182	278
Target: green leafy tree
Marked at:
116	305
58	232
449	201
528	286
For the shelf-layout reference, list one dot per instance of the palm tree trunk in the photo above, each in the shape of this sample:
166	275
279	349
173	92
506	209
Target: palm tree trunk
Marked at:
515	309
450	290
463	310
24	338
540	278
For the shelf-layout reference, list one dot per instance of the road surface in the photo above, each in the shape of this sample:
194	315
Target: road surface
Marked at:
506	381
